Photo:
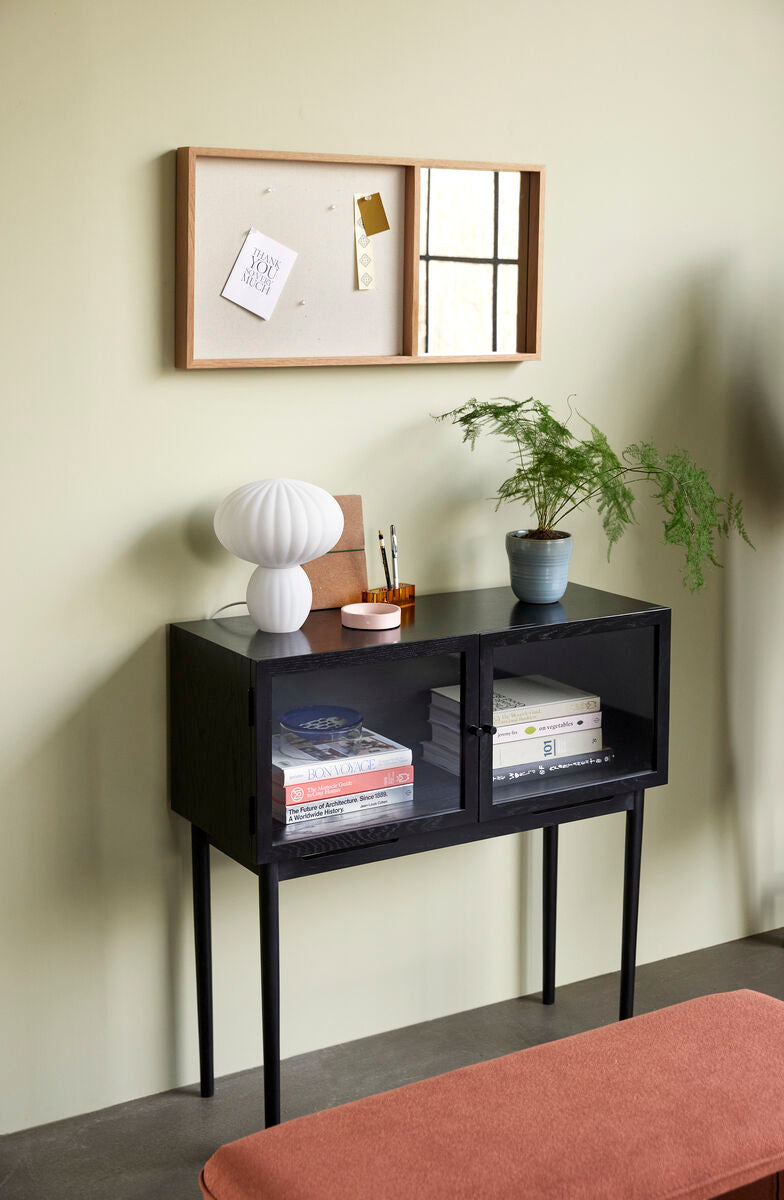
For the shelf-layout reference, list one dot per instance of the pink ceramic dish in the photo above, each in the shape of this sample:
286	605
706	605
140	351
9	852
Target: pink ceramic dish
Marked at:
370	616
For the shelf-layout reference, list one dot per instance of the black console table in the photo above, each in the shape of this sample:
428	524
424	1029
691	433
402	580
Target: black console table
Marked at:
229	685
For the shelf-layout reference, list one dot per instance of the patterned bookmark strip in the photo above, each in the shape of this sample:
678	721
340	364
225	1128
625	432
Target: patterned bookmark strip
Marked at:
366	265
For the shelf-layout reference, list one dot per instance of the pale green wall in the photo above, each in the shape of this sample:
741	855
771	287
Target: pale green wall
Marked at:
660	125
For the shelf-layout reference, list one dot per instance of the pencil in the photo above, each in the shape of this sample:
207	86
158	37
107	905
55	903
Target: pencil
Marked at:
384	558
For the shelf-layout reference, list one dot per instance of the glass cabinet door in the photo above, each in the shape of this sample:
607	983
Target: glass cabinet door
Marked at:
567	718
345	749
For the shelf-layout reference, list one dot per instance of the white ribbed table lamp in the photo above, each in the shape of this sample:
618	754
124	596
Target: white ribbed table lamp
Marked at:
279	524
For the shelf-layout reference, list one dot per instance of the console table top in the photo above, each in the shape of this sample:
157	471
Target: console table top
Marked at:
433	617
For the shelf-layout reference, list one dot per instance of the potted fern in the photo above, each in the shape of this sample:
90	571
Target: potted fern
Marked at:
556	472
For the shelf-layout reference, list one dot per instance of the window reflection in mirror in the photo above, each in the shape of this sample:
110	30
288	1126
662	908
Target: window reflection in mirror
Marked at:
468	266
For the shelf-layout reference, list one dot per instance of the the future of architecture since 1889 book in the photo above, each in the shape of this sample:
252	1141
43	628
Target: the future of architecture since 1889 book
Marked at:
292	814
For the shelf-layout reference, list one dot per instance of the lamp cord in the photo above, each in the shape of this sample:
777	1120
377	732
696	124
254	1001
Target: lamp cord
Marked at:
223	608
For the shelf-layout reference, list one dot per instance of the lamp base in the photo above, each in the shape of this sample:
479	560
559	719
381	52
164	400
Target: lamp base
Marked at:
279	598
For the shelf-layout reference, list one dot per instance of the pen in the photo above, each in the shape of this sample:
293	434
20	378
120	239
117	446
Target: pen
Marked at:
393	540
384	558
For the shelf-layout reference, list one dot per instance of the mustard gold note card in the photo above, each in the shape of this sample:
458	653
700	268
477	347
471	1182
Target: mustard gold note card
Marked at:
373	215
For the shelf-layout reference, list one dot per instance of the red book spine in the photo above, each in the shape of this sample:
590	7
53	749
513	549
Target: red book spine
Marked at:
346	785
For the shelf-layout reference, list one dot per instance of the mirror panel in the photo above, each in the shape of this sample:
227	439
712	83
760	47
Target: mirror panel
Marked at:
468	248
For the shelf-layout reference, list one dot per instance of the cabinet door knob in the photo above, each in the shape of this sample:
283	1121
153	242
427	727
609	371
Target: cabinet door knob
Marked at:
491	729
473	729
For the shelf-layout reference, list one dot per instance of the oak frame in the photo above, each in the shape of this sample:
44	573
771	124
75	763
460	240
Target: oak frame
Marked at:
530	258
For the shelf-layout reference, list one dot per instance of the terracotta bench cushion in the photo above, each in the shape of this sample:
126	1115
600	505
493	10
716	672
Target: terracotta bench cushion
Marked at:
686	1102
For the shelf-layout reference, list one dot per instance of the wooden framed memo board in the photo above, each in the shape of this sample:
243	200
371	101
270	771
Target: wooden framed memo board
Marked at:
456	276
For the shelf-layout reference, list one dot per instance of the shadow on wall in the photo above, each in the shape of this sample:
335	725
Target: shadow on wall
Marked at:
754	625
702	402
719	397
687	408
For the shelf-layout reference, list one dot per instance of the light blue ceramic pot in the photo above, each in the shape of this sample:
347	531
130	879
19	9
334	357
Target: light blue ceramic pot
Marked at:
539	567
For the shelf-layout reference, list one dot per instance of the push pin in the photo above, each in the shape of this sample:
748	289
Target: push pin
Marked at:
302	303
332	207
269	189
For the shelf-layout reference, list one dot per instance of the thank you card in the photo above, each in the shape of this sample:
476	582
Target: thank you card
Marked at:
259	274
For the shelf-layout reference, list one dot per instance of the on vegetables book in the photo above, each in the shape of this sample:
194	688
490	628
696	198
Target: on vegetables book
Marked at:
528	750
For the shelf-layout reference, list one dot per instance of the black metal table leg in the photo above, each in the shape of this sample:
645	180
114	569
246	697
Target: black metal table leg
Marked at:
270	990
549	897
202	936
631	898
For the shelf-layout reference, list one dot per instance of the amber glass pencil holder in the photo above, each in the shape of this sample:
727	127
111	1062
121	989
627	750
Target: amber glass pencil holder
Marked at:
402	595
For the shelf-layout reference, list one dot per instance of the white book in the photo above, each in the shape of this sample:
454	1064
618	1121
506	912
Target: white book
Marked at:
311	810
443	725
514	754
525	698
331	760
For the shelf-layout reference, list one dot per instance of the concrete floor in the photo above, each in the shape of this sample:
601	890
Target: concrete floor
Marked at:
154	1148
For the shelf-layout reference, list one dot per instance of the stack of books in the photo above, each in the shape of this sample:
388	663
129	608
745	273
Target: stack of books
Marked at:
543	728
338	778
